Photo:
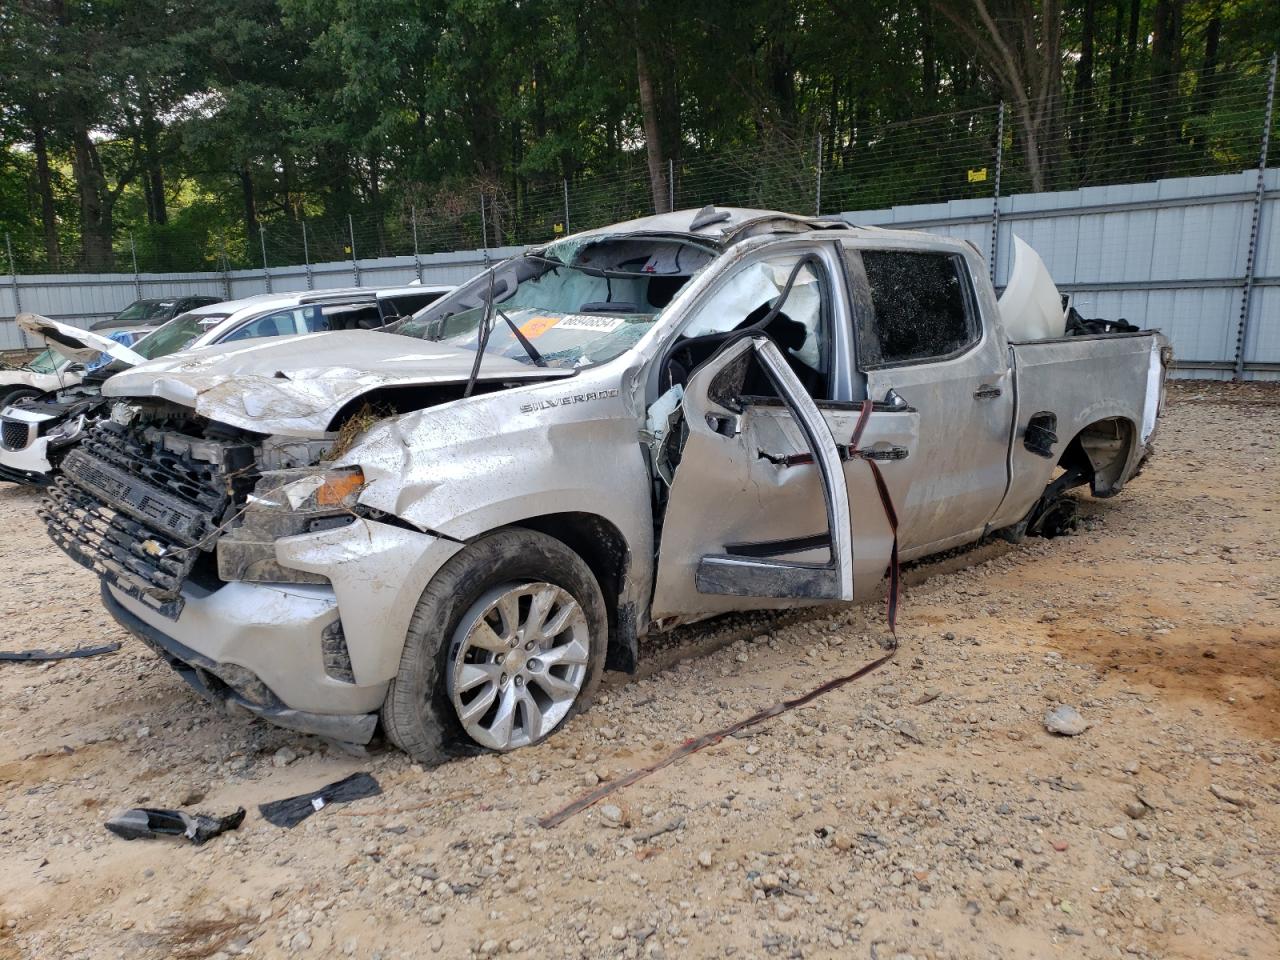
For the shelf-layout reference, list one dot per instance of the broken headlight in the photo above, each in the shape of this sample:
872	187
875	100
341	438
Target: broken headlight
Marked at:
66	432
310	489
286	503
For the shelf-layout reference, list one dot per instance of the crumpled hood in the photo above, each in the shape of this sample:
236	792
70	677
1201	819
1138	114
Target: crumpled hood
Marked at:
74	343
295	386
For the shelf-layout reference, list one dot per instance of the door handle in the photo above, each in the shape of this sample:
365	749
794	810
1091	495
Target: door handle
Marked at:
986	392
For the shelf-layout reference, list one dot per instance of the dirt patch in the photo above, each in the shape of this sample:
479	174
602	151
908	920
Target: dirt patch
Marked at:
1229	673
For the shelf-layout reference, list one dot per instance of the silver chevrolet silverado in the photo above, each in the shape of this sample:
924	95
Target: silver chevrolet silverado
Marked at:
456	527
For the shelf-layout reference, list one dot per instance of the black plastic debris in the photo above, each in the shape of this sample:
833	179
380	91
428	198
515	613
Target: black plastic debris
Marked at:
292	811
142	823
22	655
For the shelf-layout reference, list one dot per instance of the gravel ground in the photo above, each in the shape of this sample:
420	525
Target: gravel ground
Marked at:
924	812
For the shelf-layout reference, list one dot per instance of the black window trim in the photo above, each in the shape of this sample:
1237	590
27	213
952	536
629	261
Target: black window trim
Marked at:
858	277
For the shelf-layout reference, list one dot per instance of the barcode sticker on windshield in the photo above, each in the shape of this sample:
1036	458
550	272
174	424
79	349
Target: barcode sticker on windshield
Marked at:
583	321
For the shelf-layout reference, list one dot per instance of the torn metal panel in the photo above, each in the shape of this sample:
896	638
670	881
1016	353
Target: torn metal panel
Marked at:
148	823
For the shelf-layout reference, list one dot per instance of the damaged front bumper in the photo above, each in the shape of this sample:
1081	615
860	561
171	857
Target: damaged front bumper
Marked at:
224	624
302	622
311	657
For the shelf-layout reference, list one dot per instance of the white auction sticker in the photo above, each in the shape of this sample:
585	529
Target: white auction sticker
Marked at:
597	324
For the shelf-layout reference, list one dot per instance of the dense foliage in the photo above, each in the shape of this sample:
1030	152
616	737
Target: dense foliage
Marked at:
180	126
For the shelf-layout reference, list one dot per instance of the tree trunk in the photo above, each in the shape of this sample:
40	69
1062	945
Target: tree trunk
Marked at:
48	213
96	202
250	208
1130	58
654	153
1207	82
928	48
1166	62
153	171
375	201
1084	118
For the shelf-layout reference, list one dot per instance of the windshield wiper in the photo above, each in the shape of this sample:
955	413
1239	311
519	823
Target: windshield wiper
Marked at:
529	348
482	340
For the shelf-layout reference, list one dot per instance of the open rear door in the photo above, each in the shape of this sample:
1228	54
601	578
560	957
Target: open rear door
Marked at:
758	512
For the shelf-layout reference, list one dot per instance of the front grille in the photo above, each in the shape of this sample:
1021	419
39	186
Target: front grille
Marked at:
135	559
15	434
137	514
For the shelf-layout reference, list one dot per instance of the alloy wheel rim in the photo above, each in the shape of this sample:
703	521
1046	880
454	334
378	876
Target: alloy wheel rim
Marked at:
517	662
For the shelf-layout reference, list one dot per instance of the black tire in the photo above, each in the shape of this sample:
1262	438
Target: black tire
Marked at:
10	397
417	714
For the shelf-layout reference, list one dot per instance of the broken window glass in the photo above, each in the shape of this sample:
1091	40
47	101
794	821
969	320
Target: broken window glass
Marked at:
573	315
920	304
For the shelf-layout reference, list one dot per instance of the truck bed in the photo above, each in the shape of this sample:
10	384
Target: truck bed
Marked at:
1112	378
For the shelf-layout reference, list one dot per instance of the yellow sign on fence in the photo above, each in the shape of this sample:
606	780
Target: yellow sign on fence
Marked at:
977	176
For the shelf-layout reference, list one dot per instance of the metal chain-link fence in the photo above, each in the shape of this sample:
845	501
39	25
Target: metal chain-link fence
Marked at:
1123	133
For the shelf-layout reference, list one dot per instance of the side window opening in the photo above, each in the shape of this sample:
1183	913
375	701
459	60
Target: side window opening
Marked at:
743	302
282	323
345	316
921	308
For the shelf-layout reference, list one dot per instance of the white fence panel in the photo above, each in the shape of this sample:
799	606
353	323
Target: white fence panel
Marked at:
1170	254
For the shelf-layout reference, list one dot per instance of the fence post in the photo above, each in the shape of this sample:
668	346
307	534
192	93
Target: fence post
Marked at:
355	265
484	230
417	262
226	268
565	181
817	200
262	239
995	193
17	297
1259	192
306	256
137	277
671	185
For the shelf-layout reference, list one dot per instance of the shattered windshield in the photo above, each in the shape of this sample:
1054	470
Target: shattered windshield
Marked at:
566	306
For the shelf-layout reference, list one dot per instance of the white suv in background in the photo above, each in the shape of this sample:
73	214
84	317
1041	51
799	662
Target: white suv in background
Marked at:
35	434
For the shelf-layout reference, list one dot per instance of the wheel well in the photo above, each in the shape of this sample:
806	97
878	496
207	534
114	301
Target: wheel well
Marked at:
604	549
1100	451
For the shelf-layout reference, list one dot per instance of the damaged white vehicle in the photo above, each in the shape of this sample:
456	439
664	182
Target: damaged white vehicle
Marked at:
454	528
36	433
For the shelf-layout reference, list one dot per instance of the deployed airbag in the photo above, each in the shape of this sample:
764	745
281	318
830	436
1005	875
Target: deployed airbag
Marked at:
1031	307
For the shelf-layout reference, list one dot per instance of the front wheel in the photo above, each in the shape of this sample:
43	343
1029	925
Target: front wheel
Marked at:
16	394
507	642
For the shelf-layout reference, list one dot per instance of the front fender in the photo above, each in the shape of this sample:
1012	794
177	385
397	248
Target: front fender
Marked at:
467	468
378	572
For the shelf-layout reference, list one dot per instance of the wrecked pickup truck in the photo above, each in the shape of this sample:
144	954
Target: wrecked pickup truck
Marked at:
454	528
